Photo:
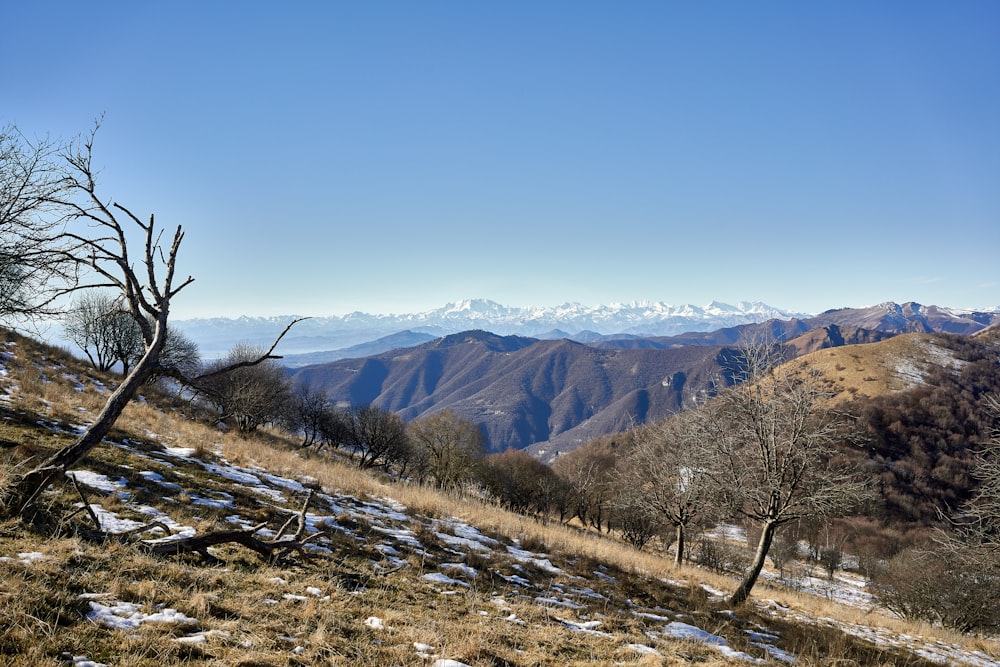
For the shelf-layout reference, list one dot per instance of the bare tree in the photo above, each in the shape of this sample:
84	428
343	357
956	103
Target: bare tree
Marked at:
448	445
31	183
668	473
378	436
180	358
636	519
589	473
248	396
306	411
517	480
980	519
91	239
773	439
99	324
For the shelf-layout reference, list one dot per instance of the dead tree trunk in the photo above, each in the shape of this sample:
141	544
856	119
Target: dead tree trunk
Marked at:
20	494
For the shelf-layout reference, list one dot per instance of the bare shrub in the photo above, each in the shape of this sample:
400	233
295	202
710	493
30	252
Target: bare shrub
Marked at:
941	586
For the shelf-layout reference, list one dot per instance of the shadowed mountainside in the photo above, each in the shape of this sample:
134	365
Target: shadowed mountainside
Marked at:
556	394
523	390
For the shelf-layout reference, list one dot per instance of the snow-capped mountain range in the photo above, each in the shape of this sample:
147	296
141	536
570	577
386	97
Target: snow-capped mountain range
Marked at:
649	318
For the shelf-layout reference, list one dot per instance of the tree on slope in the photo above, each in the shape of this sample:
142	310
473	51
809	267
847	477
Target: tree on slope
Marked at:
248	396
448	447
772	438
668	474
31	277
88	237
99	324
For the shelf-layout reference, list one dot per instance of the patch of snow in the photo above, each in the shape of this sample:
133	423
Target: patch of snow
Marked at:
558	602
97	481
538	560
25	557
424	650
456	541
464	569
214	503
201	637
177	452
231	473
678	630
84	661
127	616
587	627
440	578
111	522
728	532
714	592
651	617
156	477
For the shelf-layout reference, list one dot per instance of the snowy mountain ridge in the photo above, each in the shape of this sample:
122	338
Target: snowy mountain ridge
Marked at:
611	317
650	318
217	335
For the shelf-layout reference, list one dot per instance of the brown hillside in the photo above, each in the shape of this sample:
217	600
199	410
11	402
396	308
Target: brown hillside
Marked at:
881	368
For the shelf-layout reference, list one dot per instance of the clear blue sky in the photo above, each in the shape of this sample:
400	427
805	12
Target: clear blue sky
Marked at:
326	157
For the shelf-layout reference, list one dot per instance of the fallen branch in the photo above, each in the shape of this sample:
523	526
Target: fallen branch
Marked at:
269	550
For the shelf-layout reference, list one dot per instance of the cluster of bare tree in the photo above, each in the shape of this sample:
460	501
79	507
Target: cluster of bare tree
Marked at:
100	324
441	449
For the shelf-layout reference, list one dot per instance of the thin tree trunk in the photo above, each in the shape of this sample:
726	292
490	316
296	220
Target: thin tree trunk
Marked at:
743	592
679	557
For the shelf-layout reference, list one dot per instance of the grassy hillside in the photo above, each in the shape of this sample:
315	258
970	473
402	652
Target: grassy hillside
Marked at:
385	574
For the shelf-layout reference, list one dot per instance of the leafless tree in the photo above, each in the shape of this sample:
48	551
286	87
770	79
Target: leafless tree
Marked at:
773	438
378	436
315	418
180	358
105	330
667	471
519	481
941	584
248	396
31	183
956	580
99	324
635	518
980	519
448	445
589	474
91	240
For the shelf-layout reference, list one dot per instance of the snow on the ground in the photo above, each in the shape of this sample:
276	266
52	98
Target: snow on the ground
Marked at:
935	651
128	616
84	661
728	532
393	534
98	481
679	630
25	557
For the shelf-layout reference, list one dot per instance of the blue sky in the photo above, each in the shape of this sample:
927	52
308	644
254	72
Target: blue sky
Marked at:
327	157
